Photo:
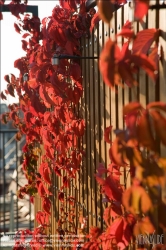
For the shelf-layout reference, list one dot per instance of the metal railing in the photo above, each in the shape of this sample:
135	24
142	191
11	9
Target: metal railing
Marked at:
15	214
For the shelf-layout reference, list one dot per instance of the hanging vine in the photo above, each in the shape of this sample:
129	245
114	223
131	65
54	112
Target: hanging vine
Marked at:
48	100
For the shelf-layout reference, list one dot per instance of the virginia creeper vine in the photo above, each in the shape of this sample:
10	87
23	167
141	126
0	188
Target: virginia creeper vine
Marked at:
48	100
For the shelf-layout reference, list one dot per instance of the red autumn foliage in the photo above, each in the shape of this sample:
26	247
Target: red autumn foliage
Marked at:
130	211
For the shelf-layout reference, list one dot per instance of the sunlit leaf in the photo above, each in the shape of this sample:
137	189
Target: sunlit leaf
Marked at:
144	132
157	105
144	40
94	21
160	125
132	107
136	200
141	8
144	227
107	132
107	63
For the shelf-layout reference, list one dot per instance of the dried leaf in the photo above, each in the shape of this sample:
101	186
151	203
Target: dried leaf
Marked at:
117	152
136	200
144	226
18	136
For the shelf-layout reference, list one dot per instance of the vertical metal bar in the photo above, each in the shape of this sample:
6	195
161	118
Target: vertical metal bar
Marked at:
17	184
11	227
30	223
4	182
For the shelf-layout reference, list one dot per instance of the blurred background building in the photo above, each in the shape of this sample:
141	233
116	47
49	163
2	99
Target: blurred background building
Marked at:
15	214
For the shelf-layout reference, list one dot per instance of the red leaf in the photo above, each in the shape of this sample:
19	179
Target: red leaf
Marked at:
108	59
66	181
75	71
46	204
95	232
33	83
37	108
71	200
107	216
3	97
116	229
46	175
61	196
17	28
160	125
69	46
127	25
107	132
24	45
47	191
99	180
141	8
157	105
58	34
10	89
126	33
112	189
126	73
144	132
16	9
105	10
50	152
1	16
25	35
68	4
116	209
155	58
95	20
6	78
101	170
142	61
42	218
117	153
144	40
132	107
41	190
131	123
57	171
18	136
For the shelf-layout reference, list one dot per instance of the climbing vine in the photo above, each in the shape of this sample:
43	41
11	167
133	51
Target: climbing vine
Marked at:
48	99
